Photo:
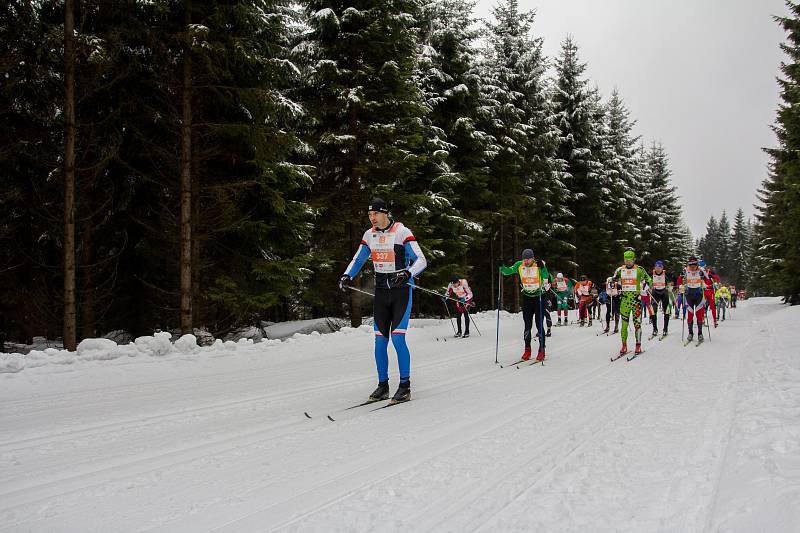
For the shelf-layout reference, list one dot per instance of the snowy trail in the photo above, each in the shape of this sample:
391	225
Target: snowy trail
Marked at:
666	442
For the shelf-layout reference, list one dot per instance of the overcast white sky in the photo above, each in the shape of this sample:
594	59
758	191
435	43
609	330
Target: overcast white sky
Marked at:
697	75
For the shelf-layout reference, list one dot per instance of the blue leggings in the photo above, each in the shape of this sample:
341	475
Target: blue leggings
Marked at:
392	311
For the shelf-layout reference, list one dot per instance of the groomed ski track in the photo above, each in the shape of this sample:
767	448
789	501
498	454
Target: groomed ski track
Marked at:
220	442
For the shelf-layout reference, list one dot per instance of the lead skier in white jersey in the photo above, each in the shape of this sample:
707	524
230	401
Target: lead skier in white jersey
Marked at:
397	259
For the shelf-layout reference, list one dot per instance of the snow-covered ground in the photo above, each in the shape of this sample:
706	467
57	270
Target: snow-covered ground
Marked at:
160	438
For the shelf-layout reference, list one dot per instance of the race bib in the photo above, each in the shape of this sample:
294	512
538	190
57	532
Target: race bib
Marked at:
628	279
382	250
530	277
660	281
693	279
561	286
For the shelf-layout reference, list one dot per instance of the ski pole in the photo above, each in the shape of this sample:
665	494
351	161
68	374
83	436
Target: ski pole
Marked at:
497	329
359	290
432	292
683	326
469	317
449	316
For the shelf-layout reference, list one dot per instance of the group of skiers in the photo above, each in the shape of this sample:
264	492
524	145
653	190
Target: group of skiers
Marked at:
629	292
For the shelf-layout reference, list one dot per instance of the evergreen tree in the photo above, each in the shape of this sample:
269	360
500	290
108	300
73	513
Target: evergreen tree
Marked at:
779	212
739	270
455	149
722	265
622	191
708	245
575	106
368	129
667	237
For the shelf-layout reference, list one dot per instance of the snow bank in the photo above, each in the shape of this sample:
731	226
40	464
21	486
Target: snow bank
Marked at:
159	345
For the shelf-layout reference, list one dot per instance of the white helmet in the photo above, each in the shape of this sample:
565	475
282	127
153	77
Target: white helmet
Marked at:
560	275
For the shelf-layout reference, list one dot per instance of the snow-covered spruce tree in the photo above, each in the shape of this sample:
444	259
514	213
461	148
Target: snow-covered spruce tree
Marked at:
779	212
708	244
740	257
367	137
668	237
523	188
619	168
455	149
642	221
722	266
574	107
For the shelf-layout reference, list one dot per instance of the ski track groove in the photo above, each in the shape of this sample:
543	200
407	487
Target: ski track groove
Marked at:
417	454
422	518
275	397
374	470
250	437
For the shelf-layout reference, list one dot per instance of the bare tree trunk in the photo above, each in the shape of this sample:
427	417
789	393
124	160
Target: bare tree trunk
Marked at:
516	250
70	322
87	281
355	300
492	266
186	177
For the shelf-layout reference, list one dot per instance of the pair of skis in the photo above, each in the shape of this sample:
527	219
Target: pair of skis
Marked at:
330	416
523	362
623	354
696	344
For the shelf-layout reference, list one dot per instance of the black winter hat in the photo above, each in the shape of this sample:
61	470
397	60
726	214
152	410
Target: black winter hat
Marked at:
378	204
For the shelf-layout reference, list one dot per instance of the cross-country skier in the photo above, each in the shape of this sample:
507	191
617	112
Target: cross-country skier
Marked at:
397	259
532	274
614	291
660	295
693	279
631	276
710	279
583	295
723	296
460	289
680	303
563	288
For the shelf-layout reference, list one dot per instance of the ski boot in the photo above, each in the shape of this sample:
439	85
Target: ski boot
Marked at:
465	335
458	334
581	324
624	349
540	355
549	333
700	337
381	393
605	331
559	321
638	349
655	332
403	393
590	322
715	323
526	354
690	336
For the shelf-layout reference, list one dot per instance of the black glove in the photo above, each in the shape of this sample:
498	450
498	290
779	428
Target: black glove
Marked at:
539	263
401	278
344	282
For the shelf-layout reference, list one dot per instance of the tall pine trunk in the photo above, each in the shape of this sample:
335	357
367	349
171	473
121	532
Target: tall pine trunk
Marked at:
355	300
516	251
87	280
70	323
186	176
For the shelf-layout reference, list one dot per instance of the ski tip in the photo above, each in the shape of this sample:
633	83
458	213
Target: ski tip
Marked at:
331	418
307	415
